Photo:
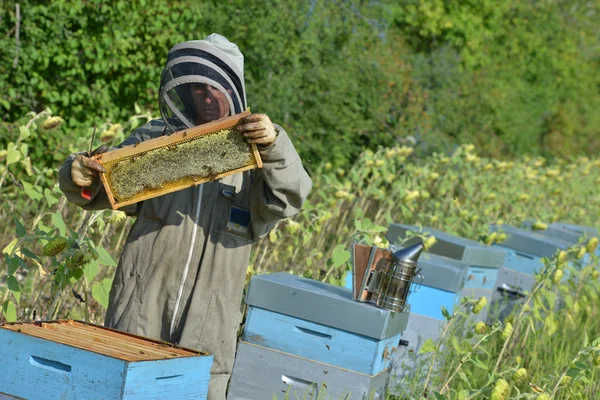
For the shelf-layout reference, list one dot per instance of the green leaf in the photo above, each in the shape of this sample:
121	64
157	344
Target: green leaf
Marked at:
90	270
13	154
445	313
24	132
20	228
456	345
581	365
586	339
105	258
33	192
439	396
14	287
573	372
427	347
550	297
75	274
10	311
29	253
101	290
13	263
569	301
464	378
480	364
59	223
340	255
49	198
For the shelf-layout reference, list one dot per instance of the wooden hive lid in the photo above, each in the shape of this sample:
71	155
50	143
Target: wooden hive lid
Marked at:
102	340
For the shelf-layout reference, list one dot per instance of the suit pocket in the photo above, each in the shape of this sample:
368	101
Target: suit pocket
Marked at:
123	306
219	332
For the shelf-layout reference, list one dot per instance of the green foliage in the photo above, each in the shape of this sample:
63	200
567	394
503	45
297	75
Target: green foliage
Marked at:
340	76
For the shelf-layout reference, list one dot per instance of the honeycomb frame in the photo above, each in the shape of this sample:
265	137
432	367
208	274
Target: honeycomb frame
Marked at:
151	150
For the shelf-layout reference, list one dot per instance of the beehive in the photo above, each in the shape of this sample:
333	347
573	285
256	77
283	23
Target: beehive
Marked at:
74	360
170	163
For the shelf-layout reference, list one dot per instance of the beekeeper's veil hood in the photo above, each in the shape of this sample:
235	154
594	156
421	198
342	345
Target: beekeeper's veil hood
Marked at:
214	61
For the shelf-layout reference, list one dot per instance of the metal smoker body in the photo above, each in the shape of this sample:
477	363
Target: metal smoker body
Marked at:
386	282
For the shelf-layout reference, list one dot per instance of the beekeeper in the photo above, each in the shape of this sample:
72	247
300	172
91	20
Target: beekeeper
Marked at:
180	277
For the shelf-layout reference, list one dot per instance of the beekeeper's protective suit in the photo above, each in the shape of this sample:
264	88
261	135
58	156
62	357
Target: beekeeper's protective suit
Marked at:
181	274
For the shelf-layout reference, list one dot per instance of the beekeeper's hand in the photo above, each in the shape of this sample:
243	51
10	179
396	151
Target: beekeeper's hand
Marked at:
84	170
258	129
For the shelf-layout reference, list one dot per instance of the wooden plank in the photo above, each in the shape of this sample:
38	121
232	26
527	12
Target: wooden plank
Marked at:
103	340
121	350
135	345
83	344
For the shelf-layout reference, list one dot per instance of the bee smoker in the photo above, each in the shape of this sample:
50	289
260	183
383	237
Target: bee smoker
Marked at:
383	277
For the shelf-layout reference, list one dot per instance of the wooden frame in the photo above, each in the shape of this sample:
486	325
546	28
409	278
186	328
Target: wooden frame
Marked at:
175	138
101	340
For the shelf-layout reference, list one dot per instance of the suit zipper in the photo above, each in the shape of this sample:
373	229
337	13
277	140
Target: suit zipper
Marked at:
189	260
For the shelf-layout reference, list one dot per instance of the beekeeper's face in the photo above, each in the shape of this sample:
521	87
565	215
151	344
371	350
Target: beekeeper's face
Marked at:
211	104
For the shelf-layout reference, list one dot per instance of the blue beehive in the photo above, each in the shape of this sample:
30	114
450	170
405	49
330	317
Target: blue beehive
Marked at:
320	322
74	360
301	335
571	236
529	245
483	262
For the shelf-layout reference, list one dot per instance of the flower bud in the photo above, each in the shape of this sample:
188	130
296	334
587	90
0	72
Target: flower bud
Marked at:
507	331
500	390
557	276
51	123
481	303
520	376
592	244
55	246
429	242
481	327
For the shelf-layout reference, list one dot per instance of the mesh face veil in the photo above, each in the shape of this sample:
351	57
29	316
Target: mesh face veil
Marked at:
202	82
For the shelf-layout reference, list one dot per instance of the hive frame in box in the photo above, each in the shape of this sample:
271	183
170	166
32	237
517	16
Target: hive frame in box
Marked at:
70	359
112	157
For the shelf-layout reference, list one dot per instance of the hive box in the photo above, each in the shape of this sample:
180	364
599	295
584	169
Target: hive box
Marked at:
443	281
483	261
74	360
570	236
584	230
321	322
261	373
530	243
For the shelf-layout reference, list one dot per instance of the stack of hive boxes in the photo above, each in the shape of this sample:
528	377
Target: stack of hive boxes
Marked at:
304	338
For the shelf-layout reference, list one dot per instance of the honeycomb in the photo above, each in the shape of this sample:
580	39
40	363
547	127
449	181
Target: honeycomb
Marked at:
181	160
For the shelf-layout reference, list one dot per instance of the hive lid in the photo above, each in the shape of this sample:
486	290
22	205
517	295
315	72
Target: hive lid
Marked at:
324	304
566	235
580	229
101	340
530	242
465	250
442	272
